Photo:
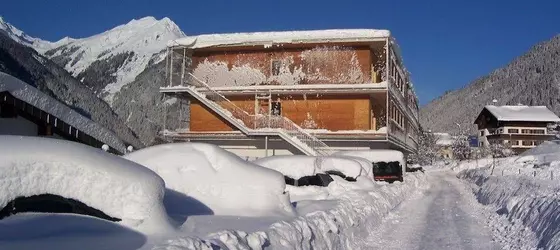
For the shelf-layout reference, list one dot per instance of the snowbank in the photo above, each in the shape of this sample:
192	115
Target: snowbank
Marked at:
117	187
216	179
332	224
33	96
297	166
521	197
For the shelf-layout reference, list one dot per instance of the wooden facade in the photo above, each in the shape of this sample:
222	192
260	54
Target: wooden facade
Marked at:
330	112
290	64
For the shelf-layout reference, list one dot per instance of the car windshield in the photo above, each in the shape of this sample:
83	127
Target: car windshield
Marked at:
387	168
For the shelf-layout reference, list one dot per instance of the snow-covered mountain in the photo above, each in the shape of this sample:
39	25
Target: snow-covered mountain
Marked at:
108	61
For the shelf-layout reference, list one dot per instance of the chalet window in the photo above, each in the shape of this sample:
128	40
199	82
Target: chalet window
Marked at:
527	143
275	67
7	111
538	131
533	131
513	131
514	143
276	108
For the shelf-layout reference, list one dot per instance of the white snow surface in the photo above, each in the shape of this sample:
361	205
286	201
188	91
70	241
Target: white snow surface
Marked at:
146	37
33	96
119	188
349	214
279	37
523	113
297	166
217	179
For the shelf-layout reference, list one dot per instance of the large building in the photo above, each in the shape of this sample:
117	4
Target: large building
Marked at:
522	127
311	92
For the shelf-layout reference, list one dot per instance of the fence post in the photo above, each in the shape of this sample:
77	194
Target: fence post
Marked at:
534	173
519	171
551	175
502	172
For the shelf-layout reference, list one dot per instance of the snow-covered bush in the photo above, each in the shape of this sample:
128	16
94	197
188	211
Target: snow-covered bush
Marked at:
217	179
119	188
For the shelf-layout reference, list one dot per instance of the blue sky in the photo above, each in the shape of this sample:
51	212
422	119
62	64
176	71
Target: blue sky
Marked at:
445	44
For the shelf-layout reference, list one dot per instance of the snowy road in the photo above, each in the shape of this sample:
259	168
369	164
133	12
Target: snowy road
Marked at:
446	216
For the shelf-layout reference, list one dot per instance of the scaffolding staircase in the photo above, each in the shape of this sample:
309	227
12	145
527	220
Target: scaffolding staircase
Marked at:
257	125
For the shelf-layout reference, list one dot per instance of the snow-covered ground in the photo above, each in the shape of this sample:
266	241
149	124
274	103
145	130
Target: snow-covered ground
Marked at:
446	216
523	195
331	217
347	215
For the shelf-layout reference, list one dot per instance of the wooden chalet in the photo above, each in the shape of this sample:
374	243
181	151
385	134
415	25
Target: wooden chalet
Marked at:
26	111
311	92
522	127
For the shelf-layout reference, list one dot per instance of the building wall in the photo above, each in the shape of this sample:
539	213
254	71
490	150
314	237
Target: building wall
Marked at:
17	126
331	112
284	66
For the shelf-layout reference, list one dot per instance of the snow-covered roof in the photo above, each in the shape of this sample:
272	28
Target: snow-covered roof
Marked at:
523	113
280	37
443	139
33	96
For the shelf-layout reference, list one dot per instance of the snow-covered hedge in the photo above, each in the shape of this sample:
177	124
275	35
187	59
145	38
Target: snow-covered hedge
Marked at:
355	211
217	179
533	201
119	188
297	166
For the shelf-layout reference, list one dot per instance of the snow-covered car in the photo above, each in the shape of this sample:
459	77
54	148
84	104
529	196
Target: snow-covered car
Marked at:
204	179
302	170
59	176
388	165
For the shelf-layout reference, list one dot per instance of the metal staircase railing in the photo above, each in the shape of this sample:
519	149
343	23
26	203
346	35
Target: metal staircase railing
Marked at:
258	124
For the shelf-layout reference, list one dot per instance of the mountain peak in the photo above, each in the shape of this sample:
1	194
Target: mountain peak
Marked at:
22	38
130	47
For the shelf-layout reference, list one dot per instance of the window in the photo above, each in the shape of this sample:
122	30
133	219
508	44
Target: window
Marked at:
513	131
514	143
527	143
7	112
482	133
533	131
276	108
275	67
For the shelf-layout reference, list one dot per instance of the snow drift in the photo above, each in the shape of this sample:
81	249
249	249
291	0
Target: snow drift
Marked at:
524	195
117	187
349	217
220	180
